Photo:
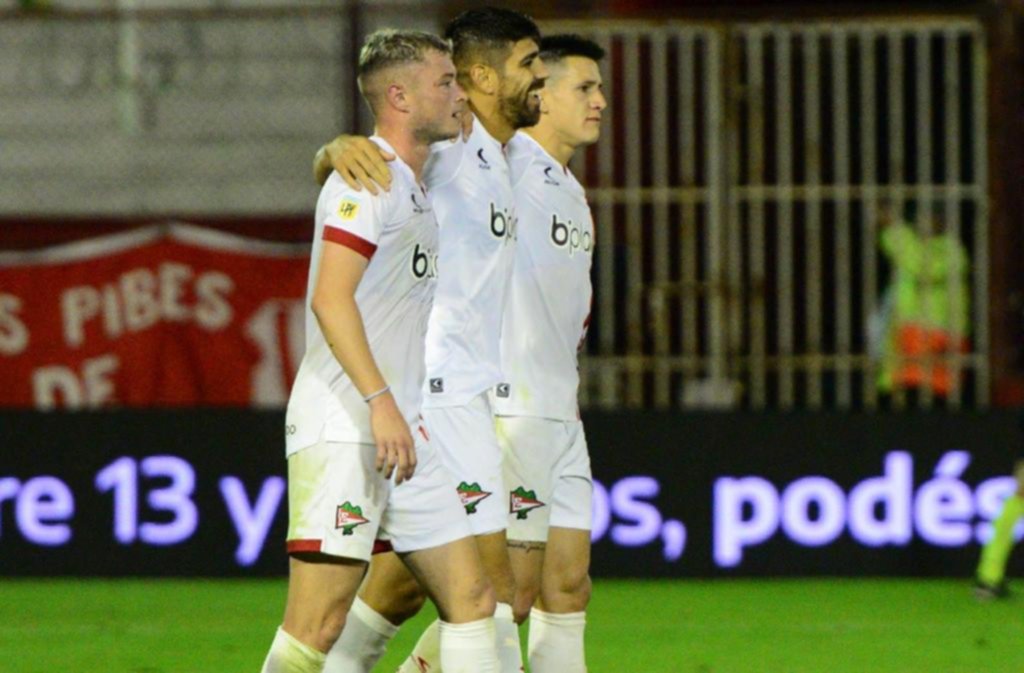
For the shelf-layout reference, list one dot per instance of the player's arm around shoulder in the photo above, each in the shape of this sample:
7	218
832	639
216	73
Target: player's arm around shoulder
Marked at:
359	161
351	233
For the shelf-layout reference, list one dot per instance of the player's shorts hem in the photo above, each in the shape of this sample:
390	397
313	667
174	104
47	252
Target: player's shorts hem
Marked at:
304	546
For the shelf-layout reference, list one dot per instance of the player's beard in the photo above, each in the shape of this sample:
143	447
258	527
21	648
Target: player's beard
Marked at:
518	109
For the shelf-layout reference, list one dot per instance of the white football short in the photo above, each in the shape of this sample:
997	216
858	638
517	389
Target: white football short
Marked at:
466	441
547	473
339	504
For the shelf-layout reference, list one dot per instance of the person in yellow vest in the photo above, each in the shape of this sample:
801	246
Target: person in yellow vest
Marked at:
925	309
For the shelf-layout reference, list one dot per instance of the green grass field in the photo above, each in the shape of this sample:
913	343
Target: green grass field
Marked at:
784	626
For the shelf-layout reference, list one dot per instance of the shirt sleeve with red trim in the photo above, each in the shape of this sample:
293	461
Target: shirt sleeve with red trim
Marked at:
354	219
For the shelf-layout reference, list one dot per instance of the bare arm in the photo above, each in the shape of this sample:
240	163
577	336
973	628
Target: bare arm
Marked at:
359	161
337	313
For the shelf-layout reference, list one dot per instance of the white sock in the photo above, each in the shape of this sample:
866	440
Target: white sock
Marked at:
469	648
363	641
556	642
426	656
510	653
288	655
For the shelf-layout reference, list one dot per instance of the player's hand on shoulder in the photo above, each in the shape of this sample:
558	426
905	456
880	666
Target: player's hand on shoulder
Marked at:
396	450
360	162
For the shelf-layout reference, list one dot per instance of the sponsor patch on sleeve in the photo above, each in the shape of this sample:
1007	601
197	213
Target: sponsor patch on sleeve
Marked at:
348	208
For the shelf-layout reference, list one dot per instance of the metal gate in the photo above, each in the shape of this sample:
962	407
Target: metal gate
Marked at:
738	187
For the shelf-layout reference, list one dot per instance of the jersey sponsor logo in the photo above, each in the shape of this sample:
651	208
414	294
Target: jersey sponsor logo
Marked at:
548	178
348	208
423	263
416	206
348	517
570	237
503	390
437	385
503	224
521	502
483	161
471	495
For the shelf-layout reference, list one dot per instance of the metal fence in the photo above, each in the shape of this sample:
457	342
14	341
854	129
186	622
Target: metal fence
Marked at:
738	189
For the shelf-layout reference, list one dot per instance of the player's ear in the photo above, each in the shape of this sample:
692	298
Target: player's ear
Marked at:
484	78
397	96
544	107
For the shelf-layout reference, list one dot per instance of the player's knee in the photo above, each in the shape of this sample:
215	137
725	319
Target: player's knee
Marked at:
526	596
329	631
482	601
569	591
403	603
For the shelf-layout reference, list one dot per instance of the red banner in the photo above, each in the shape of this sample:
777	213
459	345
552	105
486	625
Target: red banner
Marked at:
170	315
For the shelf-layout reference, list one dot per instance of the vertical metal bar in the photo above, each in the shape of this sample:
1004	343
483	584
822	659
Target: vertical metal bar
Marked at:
784	226
925	224
844	293
896	148
686	70
812	161
714	210
869	179
756	133
606	245
981	223
951	140
660	236
634	220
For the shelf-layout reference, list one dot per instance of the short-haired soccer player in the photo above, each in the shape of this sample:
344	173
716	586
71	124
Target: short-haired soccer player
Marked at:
351	453
547	466
496	55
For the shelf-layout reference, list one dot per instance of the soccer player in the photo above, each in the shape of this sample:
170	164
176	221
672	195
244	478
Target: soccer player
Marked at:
355	470
496	55
547	466
990	581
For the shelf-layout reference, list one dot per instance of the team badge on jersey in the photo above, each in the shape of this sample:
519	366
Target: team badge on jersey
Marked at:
521	502
348	517
471	495
348	208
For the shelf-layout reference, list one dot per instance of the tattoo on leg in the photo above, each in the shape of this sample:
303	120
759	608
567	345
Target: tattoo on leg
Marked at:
527	545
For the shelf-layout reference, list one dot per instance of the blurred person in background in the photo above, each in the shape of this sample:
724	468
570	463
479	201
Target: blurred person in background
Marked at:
924	313
990	577
351	454
496	54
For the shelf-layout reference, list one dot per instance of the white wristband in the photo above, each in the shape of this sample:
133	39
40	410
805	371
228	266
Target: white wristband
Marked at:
376	394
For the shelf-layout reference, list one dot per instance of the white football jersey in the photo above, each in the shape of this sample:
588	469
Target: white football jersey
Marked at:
471	194
396	231
548	309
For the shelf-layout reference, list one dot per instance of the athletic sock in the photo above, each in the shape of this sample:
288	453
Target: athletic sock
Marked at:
992	567
469	648
288	655
556	642
363	641
510	653
426	656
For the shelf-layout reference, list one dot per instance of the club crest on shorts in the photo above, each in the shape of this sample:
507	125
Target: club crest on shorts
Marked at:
348	517
521	502
471	495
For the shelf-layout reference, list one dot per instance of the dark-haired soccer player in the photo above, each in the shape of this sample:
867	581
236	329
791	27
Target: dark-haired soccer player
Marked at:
351	453
496	55
547	466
